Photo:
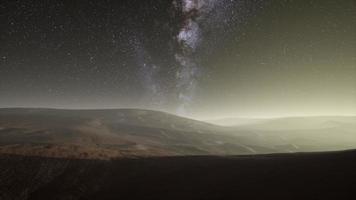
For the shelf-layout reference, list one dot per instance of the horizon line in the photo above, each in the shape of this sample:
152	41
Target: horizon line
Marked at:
205	119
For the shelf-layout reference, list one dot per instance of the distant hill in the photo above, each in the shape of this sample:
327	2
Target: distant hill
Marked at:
300	123
314	122
236	121
300	134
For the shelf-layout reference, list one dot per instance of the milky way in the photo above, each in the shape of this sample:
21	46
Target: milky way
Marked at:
193	57
188	38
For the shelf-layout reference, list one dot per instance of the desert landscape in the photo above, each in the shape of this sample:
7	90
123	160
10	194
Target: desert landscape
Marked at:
142	154
177	100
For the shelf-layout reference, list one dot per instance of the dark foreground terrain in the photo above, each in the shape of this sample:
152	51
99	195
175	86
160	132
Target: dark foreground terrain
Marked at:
282	176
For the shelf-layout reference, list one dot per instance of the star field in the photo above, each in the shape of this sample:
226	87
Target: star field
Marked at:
183	56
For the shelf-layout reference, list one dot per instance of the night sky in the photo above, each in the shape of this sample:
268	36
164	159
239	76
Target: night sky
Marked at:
199	58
